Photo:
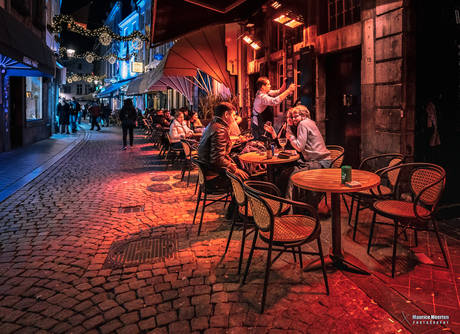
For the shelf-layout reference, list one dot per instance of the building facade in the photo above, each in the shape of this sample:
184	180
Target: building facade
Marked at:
30	74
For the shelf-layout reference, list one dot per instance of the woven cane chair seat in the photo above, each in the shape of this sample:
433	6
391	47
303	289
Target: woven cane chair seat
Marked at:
400	209
273	204
292	228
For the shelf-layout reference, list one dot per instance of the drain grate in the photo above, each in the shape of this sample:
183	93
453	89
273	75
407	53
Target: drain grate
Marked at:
129	253
131	209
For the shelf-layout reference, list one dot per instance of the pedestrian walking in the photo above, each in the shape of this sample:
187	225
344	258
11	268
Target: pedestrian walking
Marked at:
74	110
108	113
95	111
128	116
64	116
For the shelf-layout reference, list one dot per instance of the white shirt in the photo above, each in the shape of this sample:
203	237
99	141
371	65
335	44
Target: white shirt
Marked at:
262	101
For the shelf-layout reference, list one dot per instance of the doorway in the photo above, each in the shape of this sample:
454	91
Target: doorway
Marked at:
343	104
16	111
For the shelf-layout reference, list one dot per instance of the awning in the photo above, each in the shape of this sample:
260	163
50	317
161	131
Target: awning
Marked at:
179	83
134	87
108	91
22	45
204	50
171	18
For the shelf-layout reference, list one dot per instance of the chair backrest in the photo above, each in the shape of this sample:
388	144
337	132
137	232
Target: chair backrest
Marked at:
261	212
269	192
337	155
427	182
238	190
186	147
201	177
169	138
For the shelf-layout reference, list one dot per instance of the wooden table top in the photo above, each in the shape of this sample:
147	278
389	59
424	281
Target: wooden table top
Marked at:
256	158
328	180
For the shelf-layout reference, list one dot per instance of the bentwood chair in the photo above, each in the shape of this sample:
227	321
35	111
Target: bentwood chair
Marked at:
427	182
244	210
225	193
282	233
189	151
172	152
376	164
337	155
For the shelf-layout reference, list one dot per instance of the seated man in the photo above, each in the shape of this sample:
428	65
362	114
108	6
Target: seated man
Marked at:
160	119
309	142
215	146
214	149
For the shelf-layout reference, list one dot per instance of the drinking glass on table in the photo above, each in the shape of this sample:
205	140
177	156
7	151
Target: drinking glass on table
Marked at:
282	142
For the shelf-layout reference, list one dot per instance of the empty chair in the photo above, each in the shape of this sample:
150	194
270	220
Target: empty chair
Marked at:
387	186
427	182
188	151
282	234
203	190
244	210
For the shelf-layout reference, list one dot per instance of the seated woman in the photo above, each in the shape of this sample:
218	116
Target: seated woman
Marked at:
194	122
179	130
234	127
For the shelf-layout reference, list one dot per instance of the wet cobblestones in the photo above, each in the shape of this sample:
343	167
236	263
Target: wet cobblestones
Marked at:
56	234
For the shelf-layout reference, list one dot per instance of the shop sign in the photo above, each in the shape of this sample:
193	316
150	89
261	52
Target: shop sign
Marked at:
137	67
30	62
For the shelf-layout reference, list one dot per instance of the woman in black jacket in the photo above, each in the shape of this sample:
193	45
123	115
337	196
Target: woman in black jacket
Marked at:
128	116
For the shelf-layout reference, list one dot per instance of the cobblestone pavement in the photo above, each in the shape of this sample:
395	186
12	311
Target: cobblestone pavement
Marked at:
57	230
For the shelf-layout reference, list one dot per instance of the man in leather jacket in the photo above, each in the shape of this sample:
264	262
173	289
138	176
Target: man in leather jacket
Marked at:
215	146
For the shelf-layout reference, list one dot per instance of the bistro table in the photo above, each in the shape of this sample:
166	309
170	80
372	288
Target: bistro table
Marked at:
256	158
328	180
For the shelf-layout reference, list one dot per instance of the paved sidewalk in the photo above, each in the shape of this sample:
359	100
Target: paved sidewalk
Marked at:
57	230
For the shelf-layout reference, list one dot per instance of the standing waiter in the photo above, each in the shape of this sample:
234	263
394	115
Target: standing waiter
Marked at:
263	104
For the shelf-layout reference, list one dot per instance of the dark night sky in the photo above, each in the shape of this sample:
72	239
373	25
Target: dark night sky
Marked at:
97	13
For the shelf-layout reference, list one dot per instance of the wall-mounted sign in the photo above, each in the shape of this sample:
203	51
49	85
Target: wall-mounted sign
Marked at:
137	67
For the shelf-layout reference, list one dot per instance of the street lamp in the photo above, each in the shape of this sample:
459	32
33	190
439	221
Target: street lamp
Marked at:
70	53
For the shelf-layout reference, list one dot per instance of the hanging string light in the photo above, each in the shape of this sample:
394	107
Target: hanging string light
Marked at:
88	78
111	58
59	20
105	39
137	43
89	58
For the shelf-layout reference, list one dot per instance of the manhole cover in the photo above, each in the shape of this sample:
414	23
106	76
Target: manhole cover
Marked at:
159	188
129	253
131	209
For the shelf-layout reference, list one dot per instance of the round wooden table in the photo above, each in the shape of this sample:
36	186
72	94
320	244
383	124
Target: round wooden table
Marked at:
328	181
256	158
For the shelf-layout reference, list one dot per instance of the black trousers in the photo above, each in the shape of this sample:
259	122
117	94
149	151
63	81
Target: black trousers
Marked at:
94	123
131	134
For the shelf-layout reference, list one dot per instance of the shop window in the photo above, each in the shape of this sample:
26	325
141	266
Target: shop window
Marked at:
79	89
343	12
297	80
277	36
33	98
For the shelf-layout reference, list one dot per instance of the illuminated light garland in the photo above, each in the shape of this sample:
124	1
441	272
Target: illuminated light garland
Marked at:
89	58
59	20
87	78
105	39
137	44
111	58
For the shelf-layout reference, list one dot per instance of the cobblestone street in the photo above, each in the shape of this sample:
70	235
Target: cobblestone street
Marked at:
57	230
